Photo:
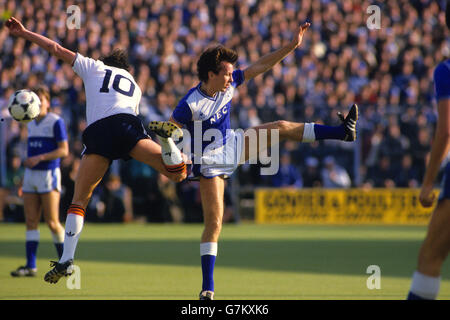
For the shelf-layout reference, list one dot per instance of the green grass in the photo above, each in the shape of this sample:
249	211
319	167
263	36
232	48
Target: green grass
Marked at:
161	261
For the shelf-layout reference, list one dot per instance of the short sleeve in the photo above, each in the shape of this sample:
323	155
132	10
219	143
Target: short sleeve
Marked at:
442	80
238	78
59	130
182	113
83	66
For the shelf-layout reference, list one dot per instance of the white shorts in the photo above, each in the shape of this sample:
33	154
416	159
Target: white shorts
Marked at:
223	160
41	181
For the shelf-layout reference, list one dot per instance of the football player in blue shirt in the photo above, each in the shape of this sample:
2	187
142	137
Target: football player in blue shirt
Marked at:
47	143
205	111
435	248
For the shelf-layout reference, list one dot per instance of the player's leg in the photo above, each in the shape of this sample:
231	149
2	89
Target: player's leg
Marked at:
32	208
91	171
50	208
212	197
435	248
149	152
171	155
301	132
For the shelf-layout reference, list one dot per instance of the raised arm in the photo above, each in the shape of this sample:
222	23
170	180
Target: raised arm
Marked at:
269	60
18	30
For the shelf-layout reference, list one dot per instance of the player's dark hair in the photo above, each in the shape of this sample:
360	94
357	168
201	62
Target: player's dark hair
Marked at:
117	58
211	58
42	91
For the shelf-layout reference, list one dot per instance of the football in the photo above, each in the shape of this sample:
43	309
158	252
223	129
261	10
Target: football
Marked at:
24	105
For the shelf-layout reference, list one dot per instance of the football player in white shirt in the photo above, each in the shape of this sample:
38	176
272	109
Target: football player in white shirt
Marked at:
114	132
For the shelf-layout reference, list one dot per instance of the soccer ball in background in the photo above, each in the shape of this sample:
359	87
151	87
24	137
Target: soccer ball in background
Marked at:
24	105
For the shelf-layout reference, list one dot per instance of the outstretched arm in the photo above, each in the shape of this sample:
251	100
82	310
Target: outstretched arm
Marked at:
268	61
18	30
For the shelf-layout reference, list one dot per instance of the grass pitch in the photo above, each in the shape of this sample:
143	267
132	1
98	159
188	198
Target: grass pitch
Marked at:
261	262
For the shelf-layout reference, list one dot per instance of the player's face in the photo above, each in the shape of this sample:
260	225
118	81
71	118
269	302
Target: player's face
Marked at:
225	76
45	105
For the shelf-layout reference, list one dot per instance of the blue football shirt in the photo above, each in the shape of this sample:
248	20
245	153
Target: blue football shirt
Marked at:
43	137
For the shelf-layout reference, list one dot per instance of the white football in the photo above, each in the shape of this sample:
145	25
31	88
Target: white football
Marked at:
24	105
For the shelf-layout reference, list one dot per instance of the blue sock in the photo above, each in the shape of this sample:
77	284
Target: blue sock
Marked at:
59	249
31	245
31	250
327	132
412	296
208	262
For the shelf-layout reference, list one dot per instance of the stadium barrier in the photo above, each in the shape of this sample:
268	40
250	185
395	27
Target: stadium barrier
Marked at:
340	206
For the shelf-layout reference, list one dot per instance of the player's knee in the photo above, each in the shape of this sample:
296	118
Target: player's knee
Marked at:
53	225
282	124
31	224
283	127
214	226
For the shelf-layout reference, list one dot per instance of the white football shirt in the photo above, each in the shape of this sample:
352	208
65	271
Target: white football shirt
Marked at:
109	90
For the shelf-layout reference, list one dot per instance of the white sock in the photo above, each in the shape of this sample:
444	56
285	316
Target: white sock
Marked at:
425	286
308	133
58	237
74	225
32	235
208	248
170	153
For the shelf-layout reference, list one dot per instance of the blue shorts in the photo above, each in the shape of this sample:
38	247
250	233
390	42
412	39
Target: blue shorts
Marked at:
445	185
114	137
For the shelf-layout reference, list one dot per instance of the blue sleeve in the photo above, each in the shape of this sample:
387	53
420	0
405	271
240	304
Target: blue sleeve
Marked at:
59	130
442	80
182	113
238	78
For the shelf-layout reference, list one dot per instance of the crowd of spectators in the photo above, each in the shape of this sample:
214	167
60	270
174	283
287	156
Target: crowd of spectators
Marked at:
387	71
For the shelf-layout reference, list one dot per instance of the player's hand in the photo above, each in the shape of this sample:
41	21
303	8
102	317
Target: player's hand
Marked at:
299	36
15	27
427	196
31	162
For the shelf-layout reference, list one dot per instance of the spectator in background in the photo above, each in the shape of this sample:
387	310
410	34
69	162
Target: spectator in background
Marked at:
382	175
333	175
394	145
421	150
12	193
113	202
172	206
288	175
117	198
311	174
407	176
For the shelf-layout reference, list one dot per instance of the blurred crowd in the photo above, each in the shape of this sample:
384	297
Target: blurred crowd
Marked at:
387	71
